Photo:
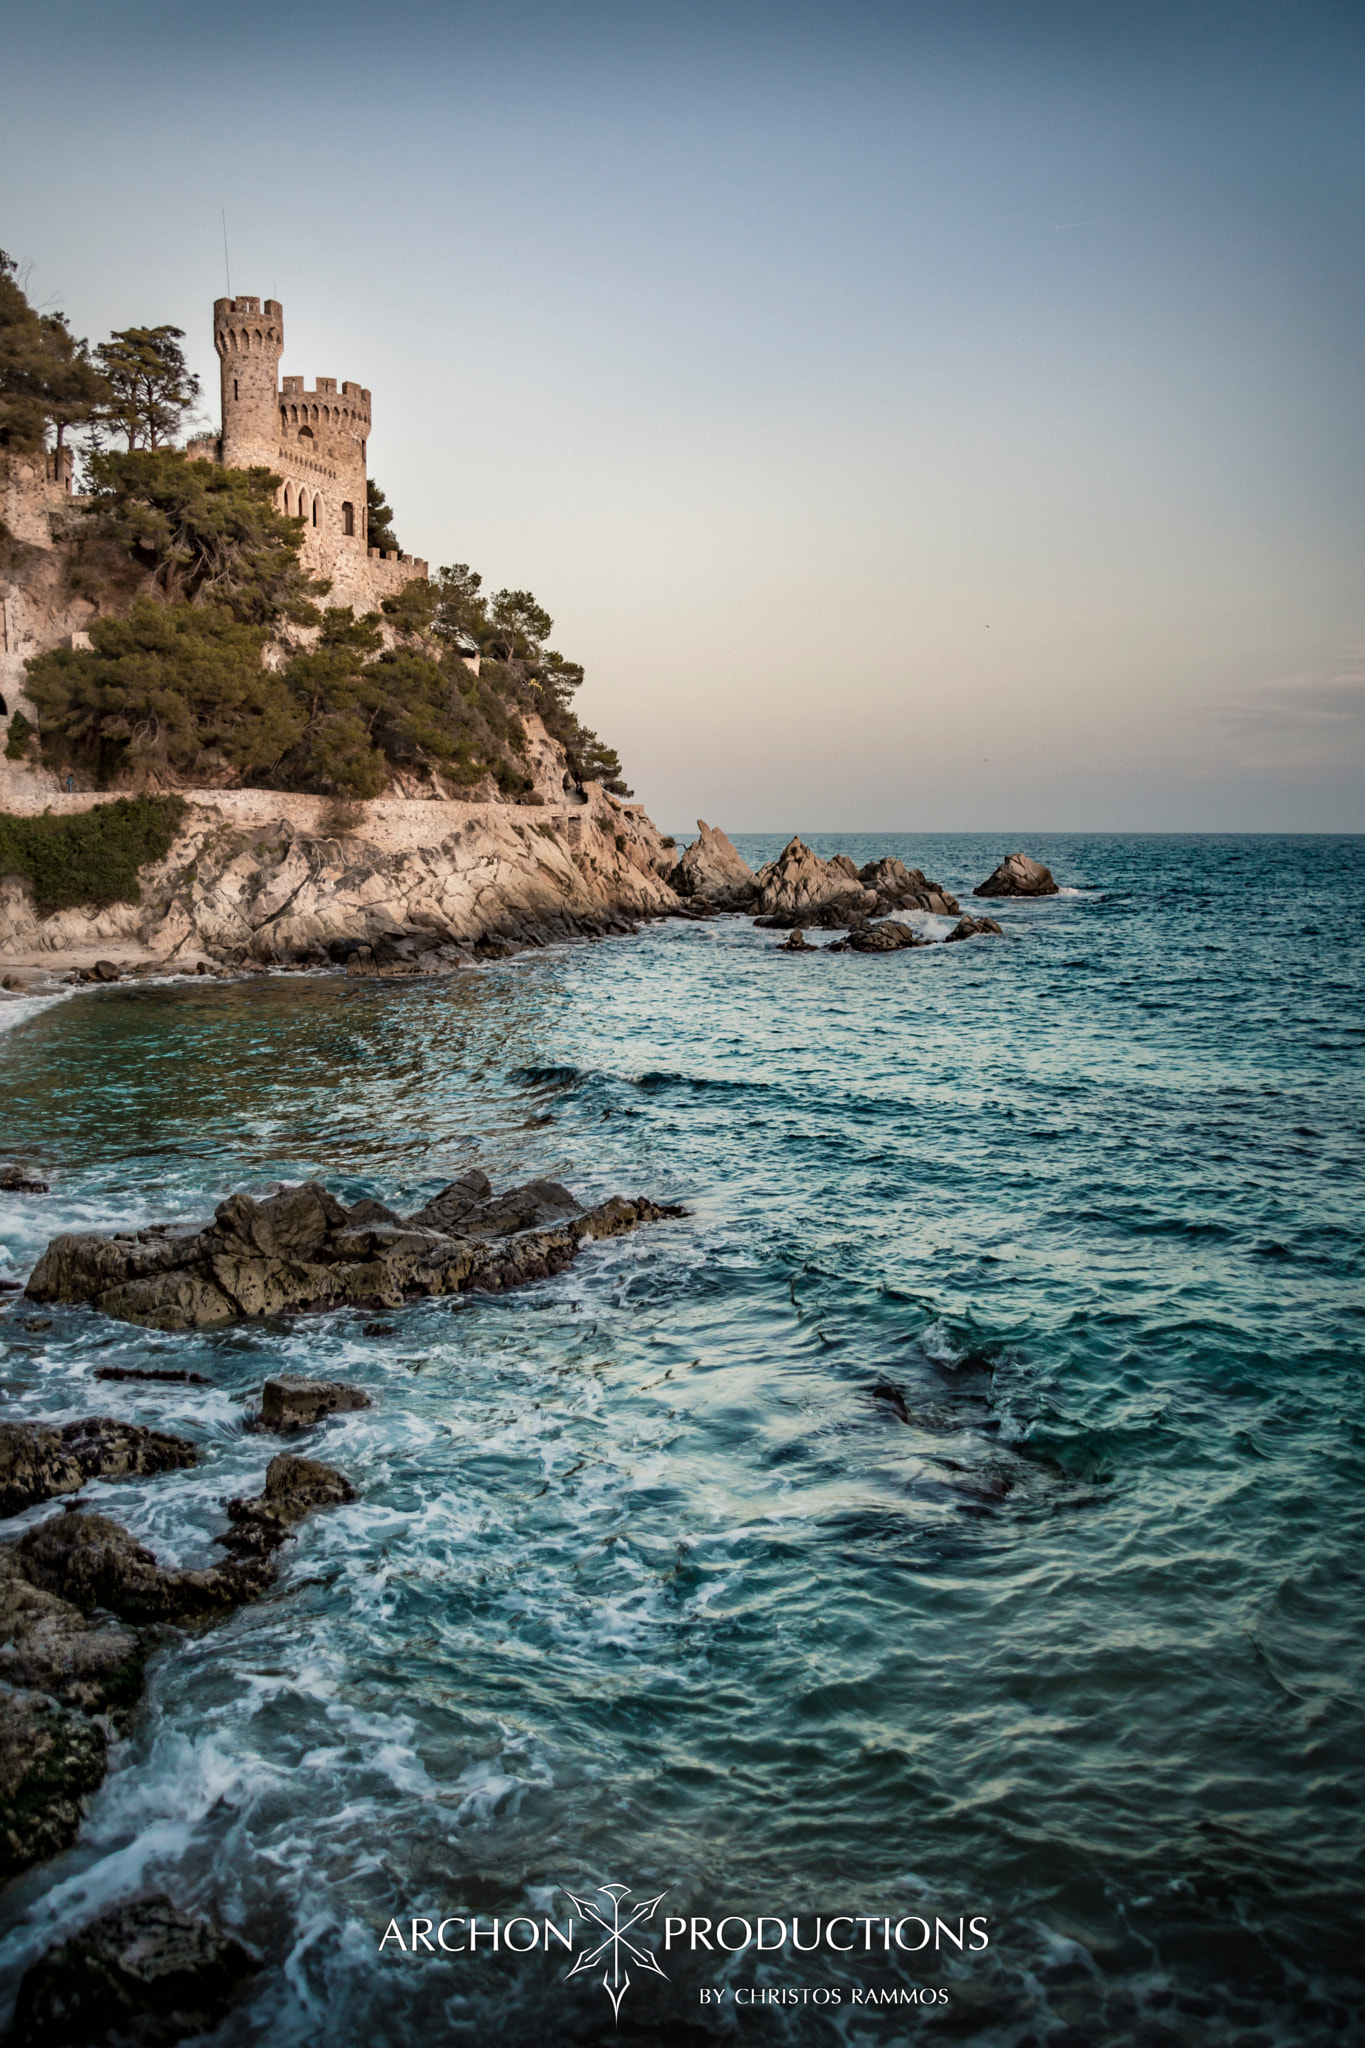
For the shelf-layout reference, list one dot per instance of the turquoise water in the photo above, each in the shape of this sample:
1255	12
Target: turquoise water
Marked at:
646	1584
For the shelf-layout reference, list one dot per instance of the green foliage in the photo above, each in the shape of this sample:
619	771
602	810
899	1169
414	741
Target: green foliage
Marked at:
176	688
413	608
521	625
379	531
94	856
206	533
152	387
21	736
45	374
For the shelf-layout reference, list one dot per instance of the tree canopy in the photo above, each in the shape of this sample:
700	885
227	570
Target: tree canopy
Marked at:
46	375
153	389
379	531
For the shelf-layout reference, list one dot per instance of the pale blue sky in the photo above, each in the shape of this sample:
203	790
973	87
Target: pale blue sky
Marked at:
915	417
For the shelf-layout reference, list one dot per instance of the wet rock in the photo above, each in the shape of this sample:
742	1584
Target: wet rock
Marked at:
711	872
973	928
48	1645
796	942
17	1180
144	1974
37	1323
50	1758
104	970
148	1372
1018	875
294	1487
299	1250
292	1402
887	937
443	1211
92	1562
38	1461
798	885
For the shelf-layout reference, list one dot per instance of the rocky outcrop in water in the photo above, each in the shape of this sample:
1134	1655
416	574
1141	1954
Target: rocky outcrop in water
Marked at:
48	1645
291	1402
92	1562
712	872
301	1249
294	1487
39	1461
1018	875
974	928
17	1180
799	889
50	1758
145	1974
888	937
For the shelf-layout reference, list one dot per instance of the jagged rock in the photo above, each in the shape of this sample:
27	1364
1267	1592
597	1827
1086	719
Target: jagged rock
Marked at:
712	872
144	1974
103	970
50	1757
443	1211
291	1402
1017	875
293	1488
535	1255
300	1249
92	1562
795	942
17	1180
972	928
798	885
888	937
900	888
38	1461
48	1645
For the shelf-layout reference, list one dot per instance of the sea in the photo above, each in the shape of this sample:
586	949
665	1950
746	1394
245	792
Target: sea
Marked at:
954	1521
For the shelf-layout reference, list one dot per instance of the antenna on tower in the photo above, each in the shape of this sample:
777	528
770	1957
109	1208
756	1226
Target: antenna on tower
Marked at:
227	269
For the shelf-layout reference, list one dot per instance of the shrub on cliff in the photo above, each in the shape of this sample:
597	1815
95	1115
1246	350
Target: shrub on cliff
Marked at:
94	856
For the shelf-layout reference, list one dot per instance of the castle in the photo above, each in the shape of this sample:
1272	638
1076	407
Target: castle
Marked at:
315	440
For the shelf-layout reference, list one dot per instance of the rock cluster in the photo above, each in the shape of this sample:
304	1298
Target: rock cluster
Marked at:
301	1249
710	870
38	1460
888	937
17	1180
1017	875
293	1488
92	1562
144	1973
799	889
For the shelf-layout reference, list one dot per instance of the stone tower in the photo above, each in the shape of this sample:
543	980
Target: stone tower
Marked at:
315	441
250	341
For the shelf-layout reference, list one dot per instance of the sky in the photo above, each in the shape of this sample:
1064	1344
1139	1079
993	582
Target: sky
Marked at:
915	417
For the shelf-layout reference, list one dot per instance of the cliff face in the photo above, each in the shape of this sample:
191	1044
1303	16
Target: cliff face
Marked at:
417	886
415	883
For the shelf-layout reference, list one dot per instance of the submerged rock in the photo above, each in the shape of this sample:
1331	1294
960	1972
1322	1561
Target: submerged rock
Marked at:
292	1402
301	1249
93	1562
974	928
38	1461
50	1758
145	1973
711	871
47	1644
1018	875
294	1487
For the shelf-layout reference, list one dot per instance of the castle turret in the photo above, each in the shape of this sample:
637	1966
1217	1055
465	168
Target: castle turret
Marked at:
249	339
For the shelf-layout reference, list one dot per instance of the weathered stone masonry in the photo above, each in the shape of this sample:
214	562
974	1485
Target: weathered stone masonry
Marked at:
316	440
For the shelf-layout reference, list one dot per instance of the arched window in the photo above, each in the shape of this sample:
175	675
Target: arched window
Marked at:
305	433
348	518
316	503
235	392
